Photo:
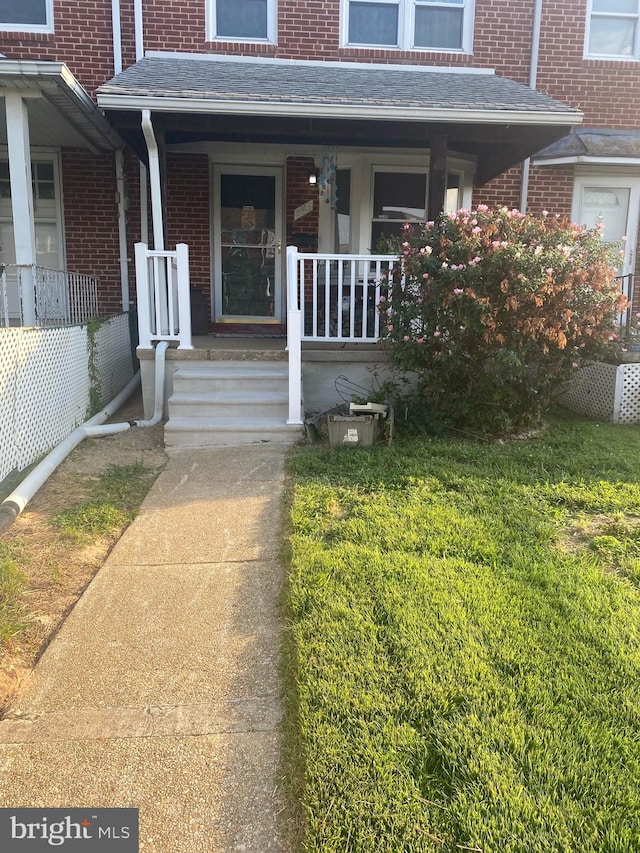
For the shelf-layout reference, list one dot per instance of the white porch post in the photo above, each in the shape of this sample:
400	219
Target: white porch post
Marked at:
294	338
142	296
184	303
22	201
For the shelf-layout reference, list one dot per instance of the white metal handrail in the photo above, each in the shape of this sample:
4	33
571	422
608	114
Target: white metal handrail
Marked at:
332	298
38	296
164	304
339	295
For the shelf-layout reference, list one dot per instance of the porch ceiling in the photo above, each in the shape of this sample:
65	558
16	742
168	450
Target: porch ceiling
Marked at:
61	113
239	99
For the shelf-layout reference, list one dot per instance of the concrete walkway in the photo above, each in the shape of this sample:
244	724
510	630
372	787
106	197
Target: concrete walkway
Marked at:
161	691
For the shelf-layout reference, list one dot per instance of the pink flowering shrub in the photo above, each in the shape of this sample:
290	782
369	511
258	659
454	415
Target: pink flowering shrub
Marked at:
496	309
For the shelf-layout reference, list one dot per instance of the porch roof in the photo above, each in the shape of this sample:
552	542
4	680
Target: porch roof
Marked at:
342	103
598	145
61	112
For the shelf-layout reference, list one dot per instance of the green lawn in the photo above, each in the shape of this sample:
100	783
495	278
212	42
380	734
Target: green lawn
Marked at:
466	640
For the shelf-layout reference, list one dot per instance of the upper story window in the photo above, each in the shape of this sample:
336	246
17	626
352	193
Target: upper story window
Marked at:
241	20
409	24
30	16
613	29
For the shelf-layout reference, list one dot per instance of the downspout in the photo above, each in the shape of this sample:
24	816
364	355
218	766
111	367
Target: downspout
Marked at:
15	503
154	175
117	36
119	164
139	41
122	229
533	79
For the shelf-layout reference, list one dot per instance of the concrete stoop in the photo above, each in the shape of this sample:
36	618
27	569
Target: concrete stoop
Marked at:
230	402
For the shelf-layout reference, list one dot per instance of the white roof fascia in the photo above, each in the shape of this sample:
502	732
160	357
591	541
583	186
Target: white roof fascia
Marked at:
317	63
454	115
591	160
50	75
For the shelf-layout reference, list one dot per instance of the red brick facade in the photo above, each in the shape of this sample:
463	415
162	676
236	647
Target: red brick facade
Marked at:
607	91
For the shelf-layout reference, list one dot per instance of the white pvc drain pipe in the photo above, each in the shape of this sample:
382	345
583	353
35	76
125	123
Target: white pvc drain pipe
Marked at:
95	427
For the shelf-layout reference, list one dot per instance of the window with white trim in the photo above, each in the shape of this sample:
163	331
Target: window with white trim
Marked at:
26	16
400	195
409	24
47	214
613	29
242	20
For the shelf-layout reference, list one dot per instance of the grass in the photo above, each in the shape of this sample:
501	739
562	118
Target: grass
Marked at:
114	498
113	502
466	627
12	615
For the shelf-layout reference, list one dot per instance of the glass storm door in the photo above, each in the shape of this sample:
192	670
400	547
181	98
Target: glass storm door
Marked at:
614	202
247	245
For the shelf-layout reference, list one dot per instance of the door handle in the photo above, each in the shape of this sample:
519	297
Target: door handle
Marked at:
279	245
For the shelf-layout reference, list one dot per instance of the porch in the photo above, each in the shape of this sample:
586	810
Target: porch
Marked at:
32	295
224	389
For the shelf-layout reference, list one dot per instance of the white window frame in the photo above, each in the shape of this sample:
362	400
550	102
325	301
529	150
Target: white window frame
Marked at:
8	27
272	26
406	26
635	55
46	211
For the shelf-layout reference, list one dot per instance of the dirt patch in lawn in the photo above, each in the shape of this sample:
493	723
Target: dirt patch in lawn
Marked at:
58	569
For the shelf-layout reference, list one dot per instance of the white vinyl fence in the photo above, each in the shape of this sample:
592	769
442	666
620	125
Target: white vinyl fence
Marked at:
46	383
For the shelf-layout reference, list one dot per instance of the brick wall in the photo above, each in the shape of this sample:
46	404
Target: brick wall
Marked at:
83	38
303	232
188	214
91	221
607	91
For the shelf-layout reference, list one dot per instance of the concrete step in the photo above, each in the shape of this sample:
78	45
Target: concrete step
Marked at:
241	404
263	376
209	432
230	402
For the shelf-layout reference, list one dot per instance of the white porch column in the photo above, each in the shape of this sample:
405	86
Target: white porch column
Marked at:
294	337
22	200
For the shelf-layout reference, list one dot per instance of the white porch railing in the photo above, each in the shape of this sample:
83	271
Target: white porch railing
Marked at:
31	295
164	306
331	298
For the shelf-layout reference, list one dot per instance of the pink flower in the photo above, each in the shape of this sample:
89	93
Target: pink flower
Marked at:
383	299
458	291
476	230
390	328
425	275
406	338
482	207
419	340
437	333
574	364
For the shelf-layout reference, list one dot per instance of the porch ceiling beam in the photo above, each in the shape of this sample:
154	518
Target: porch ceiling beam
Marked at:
437	175
496	160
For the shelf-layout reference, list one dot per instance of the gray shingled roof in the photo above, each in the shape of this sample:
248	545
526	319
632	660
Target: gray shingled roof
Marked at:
290	83
594	142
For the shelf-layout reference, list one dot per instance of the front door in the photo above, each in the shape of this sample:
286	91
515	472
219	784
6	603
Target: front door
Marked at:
613	201
247	244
